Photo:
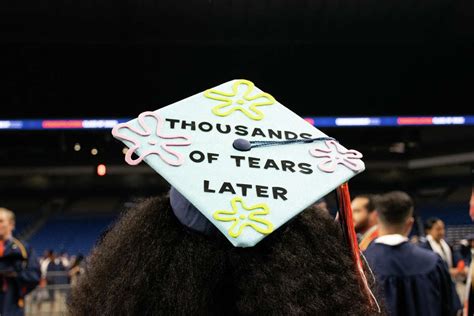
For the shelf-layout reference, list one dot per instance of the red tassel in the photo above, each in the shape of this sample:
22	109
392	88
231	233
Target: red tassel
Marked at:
347	225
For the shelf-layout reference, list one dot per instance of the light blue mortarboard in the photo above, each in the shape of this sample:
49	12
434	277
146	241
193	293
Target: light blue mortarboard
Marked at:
244	160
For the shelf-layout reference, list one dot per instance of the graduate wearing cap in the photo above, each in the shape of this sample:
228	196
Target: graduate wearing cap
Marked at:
232	236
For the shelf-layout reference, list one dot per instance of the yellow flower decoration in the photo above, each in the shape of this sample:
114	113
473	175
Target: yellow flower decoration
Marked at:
235	101
243	220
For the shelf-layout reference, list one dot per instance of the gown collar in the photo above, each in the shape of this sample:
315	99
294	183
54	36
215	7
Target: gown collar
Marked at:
391	240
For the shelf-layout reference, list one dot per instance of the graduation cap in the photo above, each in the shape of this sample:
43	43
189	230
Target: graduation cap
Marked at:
241	162
241	158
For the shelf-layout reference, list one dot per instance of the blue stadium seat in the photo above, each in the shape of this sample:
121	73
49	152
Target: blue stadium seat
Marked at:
73	234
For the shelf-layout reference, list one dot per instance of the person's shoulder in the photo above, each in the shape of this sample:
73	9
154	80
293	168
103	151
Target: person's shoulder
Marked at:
429	262
423	256
371	248
22	246
424	244
375	252
20	242
414	259
374	247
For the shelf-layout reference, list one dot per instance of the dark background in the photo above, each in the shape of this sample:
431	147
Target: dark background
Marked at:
317	57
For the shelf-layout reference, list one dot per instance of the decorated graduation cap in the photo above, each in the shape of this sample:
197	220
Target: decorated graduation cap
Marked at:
241	162
241	158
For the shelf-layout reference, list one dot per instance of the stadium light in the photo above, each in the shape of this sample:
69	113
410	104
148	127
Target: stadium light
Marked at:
101	170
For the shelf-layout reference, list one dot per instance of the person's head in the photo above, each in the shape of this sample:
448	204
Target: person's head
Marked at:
50	253
77	260
364	213
7	223
435	228
149	263
395	211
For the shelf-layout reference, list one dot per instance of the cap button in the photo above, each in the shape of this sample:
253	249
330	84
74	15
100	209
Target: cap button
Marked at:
242	144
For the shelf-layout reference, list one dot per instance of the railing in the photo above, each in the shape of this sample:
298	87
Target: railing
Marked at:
49	299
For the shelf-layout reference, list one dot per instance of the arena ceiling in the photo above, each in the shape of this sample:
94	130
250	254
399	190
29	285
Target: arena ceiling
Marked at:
319	57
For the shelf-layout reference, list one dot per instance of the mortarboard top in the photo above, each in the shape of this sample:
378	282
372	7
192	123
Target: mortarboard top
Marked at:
244	160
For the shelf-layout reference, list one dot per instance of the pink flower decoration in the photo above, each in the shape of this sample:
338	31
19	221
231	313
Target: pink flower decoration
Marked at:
146	134
336	154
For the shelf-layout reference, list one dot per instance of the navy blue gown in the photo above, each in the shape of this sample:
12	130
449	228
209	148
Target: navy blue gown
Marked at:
412	280
20	259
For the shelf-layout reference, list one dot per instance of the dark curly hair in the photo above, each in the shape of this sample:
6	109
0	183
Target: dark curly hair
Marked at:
150	264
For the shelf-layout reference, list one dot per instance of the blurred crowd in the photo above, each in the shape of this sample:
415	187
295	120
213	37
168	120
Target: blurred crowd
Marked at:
60	268
59	272
413	274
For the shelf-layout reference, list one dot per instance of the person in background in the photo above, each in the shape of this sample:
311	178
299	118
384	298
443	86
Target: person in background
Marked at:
19	268
365	219
56	272
413	280
468	258
463	251
434	239
48	256
435	233
57	279
64	257
462	258
76	269
42	294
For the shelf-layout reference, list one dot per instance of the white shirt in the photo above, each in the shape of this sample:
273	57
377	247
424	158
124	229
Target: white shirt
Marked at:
391	240
44	266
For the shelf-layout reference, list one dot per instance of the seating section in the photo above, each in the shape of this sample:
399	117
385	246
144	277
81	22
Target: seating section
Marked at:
78	231
455	216
74	234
